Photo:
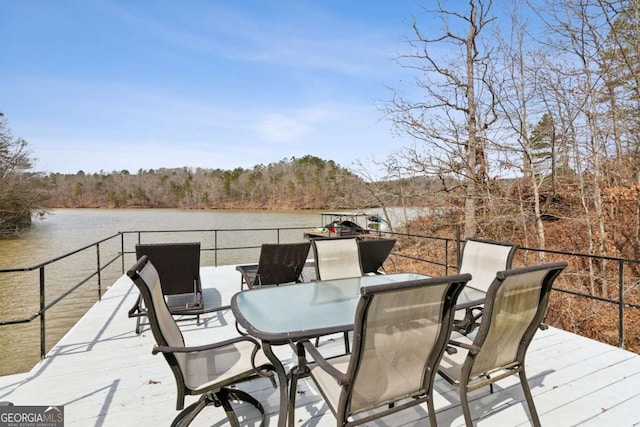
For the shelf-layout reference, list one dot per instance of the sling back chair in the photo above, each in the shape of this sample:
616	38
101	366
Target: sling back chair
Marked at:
206	370
400	333
278	263
516	303
178	265
482	259
373	254
337	259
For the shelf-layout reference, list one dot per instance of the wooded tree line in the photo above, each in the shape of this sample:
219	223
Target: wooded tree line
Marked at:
297	183
308	182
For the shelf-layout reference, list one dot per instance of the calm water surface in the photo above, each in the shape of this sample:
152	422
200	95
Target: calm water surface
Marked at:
66	230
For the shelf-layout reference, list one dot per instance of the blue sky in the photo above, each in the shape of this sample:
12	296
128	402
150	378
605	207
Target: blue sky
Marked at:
111	84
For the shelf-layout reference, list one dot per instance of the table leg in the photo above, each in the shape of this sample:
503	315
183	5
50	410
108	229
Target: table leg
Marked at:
282	383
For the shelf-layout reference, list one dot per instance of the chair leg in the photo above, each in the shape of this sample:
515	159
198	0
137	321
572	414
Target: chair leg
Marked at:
188	414
136	311
219	398
433	422
464	402
527	394
138	325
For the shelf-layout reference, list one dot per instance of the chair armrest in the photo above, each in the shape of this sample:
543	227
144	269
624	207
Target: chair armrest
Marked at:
340	377
264	371
473	349
213	346
249	274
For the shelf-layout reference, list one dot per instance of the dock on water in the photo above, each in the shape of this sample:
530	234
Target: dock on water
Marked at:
104	375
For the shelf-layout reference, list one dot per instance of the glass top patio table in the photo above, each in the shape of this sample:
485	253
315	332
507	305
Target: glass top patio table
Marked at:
289	313
285	314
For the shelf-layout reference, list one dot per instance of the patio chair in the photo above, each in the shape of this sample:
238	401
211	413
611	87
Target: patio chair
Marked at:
179	267
278	263
400	334
516	302
482	259
373	254
206	370
337	259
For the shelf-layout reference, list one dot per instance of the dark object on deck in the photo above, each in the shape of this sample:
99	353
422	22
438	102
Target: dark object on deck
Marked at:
373	254
278	263
178	265
206	370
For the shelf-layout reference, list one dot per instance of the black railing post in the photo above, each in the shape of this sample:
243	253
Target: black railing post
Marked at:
621	303
122	250
99	272
458	249
446	257
43	328
215	248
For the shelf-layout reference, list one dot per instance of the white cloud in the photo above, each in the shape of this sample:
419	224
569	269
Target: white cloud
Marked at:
292	126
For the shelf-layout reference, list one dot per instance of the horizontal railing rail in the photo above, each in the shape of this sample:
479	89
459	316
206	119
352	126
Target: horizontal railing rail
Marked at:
621	263
101	264
45	306
450	250
216	233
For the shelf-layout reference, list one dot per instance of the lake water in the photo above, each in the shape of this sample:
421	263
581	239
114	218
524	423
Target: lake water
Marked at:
66	230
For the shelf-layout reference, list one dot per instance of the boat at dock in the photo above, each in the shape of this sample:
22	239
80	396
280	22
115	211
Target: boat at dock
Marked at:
348	224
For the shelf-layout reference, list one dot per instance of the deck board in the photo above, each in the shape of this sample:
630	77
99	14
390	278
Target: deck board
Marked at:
104	375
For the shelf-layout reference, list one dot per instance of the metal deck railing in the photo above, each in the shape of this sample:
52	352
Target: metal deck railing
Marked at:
222	247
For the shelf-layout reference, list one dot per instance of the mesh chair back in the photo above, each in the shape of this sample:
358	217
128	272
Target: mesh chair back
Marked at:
515	306
281	263
373	253
178	264
400	334
483	259
337	258
163	326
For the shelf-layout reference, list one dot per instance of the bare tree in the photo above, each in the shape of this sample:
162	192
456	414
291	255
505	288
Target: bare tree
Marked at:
19	196
457	103
520	93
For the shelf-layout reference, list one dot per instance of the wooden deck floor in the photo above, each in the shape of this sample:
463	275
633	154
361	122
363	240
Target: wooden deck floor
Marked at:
104	375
